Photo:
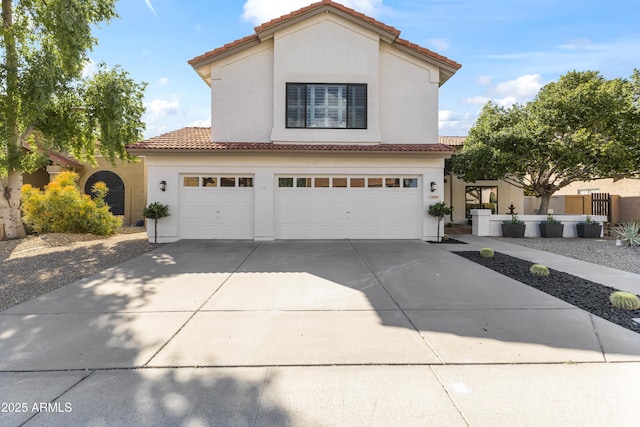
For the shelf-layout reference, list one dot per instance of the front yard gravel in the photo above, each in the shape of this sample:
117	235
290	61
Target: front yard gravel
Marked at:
597	251
39	264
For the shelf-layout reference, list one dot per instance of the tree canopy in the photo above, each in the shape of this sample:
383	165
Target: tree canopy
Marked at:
581	127
45	101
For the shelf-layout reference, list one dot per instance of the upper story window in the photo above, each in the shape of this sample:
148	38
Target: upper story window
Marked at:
328	106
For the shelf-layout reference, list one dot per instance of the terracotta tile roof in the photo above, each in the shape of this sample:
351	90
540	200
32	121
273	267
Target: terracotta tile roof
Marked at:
452	141
63	160
338	6
254	37
199	139
226	47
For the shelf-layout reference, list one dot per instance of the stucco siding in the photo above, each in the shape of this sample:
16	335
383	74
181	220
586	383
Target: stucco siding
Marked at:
408	99
242	96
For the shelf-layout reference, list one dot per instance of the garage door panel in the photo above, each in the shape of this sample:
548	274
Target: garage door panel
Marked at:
358	213
217	212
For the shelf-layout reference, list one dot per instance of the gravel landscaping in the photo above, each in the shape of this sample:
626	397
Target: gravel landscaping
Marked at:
585	294
39	264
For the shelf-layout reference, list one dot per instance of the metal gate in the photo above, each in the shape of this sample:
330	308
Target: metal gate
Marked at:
601	204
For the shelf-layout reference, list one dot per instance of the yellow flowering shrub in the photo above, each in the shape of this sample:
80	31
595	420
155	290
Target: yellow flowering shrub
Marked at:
62	208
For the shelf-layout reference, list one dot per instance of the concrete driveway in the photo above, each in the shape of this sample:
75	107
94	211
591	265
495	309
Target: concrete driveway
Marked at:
311	333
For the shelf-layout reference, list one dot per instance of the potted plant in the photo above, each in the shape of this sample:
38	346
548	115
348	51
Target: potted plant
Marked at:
551	227
440	210
589	228
156	211
514	227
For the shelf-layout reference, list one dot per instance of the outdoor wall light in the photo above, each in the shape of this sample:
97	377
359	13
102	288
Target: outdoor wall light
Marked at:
433	187
163	186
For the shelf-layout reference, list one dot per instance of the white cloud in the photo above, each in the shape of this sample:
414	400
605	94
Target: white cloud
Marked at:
260	11
484	80
201	123
150	6
89	69
162	107
507	101
163	81
477	100
451	123
525	86
440	45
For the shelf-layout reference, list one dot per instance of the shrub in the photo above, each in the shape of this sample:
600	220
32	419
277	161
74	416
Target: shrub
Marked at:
539	270
628	233
62	208
486	253
625	300
155	211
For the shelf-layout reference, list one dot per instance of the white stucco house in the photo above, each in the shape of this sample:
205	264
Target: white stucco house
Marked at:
324	125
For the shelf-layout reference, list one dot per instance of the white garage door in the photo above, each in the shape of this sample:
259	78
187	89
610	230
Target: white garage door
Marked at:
338	207
216	207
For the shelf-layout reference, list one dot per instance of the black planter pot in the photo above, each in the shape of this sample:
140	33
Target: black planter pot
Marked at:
513	230
590	231
551	230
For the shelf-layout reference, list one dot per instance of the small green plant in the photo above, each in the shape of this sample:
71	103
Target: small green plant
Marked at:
514	220
625	300
539	270
440	210
628	233
486	253
155	211
62	208
445	237
551	220
588	220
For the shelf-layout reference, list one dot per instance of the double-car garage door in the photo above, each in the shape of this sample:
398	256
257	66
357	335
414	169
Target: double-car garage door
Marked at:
305	207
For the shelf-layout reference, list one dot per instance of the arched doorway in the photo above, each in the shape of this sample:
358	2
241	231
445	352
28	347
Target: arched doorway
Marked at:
115	197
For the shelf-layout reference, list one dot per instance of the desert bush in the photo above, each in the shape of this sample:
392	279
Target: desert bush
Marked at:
486	253
628	233
62	208
539	270
625	300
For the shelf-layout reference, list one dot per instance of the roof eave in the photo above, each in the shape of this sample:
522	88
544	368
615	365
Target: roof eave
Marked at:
268	32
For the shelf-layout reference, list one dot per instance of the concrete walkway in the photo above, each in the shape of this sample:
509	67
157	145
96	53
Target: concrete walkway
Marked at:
316	333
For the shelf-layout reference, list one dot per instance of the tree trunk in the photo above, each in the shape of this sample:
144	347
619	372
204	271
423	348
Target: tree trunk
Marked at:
544	203
10	188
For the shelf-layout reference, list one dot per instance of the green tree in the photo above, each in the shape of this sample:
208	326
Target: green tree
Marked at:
155	211
440	210
581	127
46	103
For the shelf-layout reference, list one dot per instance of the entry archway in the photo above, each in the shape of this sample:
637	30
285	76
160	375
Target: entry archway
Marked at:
115	197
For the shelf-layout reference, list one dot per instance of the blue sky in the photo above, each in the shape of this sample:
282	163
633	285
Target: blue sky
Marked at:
508	48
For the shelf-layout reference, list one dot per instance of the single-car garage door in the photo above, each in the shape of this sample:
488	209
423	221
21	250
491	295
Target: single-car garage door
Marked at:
354	207
216	207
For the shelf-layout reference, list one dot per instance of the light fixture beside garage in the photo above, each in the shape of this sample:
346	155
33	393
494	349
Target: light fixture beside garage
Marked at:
433	187
163	186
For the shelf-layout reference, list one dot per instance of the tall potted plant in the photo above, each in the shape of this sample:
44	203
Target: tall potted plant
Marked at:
551	227
589	228
440	210
514	227
156	211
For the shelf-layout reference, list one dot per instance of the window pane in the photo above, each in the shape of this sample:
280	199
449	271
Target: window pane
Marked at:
392	182
191	181
285	182
322	182
357	182
410	182
375	182
296	105
303	182
209	181
245	182
227	182
357	107
339	182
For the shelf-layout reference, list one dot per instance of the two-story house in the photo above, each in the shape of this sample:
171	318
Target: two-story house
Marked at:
324	125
